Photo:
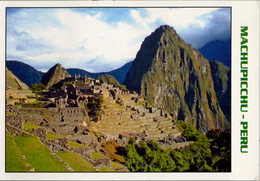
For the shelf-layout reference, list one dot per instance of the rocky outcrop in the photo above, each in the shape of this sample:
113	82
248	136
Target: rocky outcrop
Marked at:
54	75
171	75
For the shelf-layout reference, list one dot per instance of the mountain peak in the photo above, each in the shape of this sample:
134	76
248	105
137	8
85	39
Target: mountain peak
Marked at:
165	28
54	75
58	65
163	36
172	75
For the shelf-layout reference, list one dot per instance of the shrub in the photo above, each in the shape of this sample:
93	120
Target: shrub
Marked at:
37	87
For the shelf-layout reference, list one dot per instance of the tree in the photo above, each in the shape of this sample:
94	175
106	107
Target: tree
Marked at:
220	145
36	88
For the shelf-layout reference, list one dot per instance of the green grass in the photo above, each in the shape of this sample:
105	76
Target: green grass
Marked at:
97	155
140	103
32	108
37	155
116	165
17	105
14	161
33	114
76	162
47	116
10	114
29	126
76	145
106	169
52	136
36	102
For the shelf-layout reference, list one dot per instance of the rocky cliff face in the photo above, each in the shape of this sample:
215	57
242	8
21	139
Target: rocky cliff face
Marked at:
54	75
222	85
172	75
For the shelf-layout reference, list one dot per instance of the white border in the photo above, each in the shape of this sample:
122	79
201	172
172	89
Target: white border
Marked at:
244	166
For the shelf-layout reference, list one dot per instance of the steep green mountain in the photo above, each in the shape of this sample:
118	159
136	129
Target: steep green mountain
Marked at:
24	72
218	50
119	73
172	75
222	85
54	75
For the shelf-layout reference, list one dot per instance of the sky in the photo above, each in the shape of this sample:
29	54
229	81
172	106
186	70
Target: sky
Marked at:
102	39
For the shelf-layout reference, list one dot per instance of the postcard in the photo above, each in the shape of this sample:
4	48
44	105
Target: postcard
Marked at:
119	90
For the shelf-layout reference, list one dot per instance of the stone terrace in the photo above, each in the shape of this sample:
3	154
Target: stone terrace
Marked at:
132	118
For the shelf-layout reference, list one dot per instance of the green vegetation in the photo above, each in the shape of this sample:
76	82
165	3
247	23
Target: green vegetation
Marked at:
116	165
76	162
110	148
111	80
37	155
10	114
46	115
106	169
97	134
206	154
36	88
29	126
190	133
94	105
52	136
220	145
31	108
14	161
17	105
97	155
36	102
76	145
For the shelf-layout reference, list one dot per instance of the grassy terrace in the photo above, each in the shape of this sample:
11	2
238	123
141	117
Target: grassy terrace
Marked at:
76	145
52	136
37	155
97	155
106	169
14	161
10	114
28	126
76	162
116	165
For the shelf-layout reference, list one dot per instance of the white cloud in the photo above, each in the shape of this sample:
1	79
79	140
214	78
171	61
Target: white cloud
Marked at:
82	40
180	17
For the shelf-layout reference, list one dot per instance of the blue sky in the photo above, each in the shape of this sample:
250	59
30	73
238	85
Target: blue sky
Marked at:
102	39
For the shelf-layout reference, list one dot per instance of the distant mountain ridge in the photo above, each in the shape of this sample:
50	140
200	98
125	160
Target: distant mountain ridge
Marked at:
119	73
218	50
30	75
24	72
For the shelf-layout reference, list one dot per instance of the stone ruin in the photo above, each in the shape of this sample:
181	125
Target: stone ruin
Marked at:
66	113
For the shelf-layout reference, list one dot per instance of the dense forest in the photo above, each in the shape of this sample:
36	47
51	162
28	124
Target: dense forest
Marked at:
208	153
